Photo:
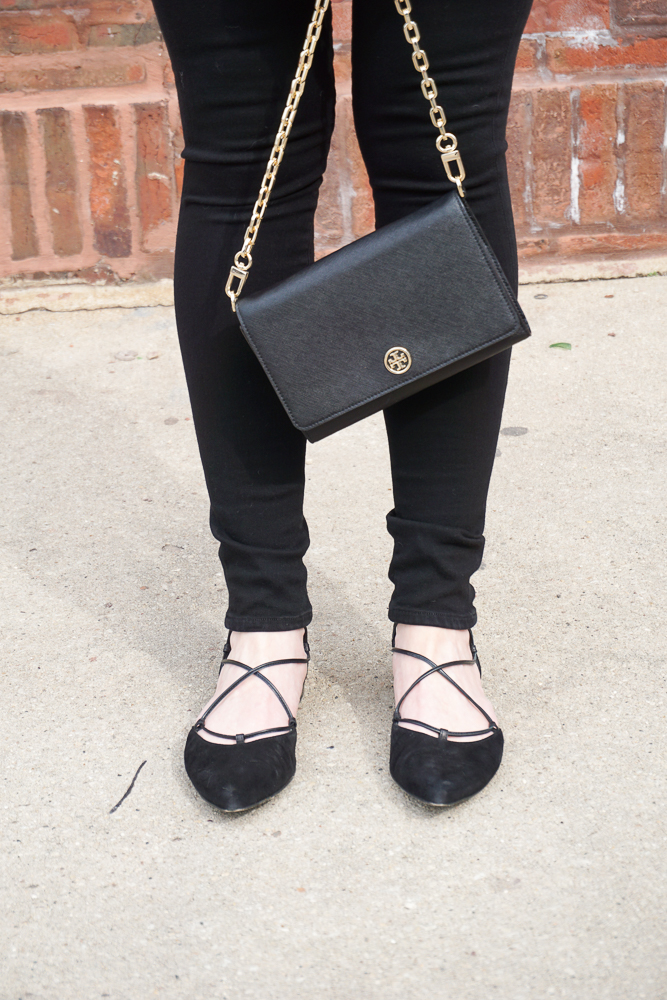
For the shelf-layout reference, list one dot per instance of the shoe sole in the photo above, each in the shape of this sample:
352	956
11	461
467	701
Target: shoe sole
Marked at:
438	805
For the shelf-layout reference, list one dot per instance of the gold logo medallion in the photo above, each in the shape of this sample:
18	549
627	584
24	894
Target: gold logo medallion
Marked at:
397	360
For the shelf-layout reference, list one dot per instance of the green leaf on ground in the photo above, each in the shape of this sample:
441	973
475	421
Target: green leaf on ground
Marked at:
564	346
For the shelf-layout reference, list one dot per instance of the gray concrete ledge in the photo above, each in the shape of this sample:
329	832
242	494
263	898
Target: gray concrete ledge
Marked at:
583	269
71	297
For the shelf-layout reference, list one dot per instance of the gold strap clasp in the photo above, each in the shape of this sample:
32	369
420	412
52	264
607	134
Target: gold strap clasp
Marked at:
453	156
233	293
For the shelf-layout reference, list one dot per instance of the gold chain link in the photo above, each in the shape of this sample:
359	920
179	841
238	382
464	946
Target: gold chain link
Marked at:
243	259
446	143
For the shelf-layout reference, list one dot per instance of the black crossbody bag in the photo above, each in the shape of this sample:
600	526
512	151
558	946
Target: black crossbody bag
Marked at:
364	328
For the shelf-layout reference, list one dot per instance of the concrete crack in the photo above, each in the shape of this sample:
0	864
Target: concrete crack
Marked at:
120	802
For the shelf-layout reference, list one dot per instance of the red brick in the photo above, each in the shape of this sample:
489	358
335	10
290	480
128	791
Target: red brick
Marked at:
177	145
342	20
61	181
329	216
155	265
363	207
343	69
168	78
123	9
639	16
116	22
329	219
610	242
518	142
596	138
644	132
108	196
113	35
533	246
527	56
112	11
345	209
564	57
536	19
552	155
564	15
153	177
39	32
100	273
362	210
65	77
15	144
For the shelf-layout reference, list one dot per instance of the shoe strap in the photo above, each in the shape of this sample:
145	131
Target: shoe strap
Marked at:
440	669
253	672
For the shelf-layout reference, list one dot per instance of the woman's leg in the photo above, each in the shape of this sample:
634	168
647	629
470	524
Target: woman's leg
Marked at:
233	64
442	440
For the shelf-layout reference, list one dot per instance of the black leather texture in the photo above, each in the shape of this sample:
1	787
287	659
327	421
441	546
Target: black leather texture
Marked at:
429	283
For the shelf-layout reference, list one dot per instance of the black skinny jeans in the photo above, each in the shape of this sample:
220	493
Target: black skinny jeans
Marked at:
233	63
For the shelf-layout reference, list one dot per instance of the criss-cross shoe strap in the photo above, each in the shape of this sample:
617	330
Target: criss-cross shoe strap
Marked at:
440	669
250	672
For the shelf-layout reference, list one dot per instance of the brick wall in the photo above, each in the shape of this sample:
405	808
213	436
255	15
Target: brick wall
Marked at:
587	132
89	157
90	139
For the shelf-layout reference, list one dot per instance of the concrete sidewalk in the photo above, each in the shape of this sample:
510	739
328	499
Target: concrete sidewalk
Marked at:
551	883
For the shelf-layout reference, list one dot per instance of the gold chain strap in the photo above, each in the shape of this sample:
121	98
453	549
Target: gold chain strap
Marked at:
446	143
243	259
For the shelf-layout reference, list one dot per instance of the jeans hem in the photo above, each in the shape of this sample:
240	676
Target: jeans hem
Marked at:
237	623
407	616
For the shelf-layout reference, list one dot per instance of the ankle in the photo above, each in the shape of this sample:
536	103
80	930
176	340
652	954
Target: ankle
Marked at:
434	642
261	647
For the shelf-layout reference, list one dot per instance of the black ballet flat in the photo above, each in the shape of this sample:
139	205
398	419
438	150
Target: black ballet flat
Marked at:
241	775
437	771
